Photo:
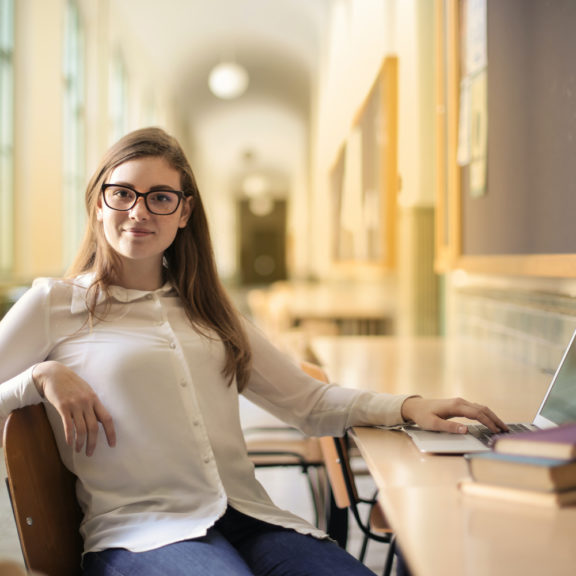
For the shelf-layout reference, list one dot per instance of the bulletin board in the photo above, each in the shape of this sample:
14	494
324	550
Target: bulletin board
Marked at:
364	178
506	136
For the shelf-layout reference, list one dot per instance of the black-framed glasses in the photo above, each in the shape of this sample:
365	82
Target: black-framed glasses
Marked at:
124	198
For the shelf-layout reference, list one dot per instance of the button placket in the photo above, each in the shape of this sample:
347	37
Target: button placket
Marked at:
191	406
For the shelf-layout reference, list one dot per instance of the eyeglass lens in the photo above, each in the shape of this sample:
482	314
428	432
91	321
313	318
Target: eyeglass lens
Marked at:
157	201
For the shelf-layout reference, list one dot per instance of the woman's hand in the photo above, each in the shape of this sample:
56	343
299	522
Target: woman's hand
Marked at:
433	414
76	402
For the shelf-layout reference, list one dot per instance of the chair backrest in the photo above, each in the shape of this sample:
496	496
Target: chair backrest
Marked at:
340	475
335	455
314	370
343	484
43	495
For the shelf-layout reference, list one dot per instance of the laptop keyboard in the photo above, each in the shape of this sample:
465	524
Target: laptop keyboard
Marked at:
486	436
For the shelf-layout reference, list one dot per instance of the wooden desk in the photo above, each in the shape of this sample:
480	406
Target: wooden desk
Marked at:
441	531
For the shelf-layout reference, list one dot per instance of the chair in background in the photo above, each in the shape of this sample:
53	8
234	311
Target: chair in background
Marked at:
373	525
283	446
43	495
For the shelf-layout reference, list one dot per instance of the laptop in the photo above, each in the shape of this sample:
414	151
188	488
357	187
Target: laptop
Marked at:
557	407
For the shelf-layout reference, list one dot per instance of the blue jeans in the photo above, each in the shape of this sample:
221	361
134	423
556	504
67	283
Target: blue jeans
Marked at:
236	545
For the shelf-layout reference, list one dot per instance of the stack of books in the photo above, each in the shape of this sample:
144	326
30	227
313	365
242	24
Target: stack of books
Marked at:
536	467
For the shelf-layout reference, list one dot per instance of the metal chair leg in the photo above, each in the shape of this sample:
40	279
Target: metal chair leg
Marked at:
390	557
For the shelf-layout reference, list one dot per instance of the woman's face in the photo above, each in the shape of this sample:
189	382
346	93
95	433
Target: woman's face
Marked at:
137	234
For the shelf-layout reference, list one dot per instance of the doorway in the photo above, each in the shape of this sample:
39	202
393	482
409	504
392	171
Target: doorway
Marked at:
262	240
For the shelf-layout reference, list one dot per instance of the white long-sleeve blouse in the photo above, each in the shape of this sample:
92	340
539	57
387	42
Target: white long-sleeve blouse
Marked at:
180	456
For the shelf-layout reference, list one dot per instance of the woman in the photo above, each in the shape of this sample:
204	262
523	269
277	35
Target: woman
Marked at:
139	357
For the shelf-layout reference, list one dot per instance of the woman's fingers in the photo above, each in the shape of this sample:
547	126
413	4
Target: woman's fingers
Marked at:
69	430
107	423
85	427
77	403
480	413
439	424
435	414
79	429
488	418
92	428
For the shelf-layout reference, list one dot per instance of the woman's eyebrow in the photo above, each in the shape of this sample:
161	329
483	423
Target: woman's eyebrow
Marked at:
151	189
163	187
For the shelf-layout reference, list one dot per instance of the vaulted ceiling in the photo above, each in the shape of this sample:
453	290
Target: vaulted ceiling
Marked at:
277	41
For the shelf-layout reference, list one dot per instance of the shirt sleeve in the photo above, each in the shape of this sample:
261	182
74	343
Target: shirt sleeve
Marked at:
278	385
24	341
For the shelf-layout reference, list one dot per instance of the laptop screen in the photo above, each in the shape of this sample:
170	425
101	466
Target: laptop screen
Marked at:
559	406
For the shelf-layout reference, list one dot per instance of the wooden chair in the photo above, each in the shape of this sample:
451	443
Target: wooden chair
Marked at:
283	446
43	495
373	525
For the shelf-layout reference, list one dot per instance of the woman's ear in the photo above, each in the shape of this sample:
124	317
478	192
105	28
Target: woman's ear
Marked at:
187	207
99	215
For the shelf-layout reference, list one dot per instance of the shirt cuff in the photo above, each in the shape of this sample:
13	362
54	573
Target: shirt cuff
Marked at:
379	410
18	392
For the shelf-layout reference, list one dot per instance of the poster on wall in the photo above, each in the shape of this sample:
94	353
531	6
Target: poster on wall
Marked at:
478	118
473	113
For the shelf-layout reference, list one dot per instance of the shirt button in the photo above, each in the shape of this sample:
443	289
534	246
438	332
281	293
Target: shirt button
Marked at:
149	296
196	422
172	345
206	459
183	383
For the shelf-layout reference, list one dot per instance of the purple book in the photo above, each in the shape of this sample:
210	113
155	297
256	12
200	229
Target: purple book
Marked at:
558	442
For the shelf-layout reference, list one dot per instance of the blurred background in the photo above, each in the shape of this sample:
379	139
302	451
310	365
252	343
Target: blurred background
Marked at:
78	74
326	140
341	148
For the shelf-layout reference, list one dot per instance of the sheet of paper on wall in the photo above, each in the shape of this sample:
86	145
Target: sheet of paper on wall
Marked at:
476	36
463	154
478	133
352	214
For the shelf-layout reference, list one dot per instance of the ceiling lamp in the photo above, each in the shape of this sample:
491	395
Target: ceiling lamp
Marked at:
228	80
254	185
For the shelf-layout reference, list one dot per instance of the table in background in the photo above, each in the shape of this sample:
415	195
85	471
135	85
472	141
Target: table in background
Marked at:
441	531
321	308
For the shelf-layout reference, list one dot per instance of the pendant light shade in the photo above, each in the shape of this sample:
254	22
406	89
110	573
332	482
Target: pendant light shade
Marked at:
228	80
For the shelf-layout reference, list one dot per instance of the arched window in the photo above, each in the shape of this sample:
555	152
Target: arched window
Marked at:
6	137
74	132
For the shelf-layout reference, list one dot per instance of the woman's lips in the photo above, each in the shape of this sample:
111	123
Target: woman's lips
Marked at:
138	232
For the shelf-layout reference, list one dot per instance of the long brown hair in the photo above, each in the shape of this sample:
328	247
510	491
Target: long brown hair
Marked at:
189	261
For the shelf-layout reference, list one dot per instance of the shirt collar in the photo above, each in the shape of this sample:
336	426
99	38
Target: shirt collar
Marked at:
118	293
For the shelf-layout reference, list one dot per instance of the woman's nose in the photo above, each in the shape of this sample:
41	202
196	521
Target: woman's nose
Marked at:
139	210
